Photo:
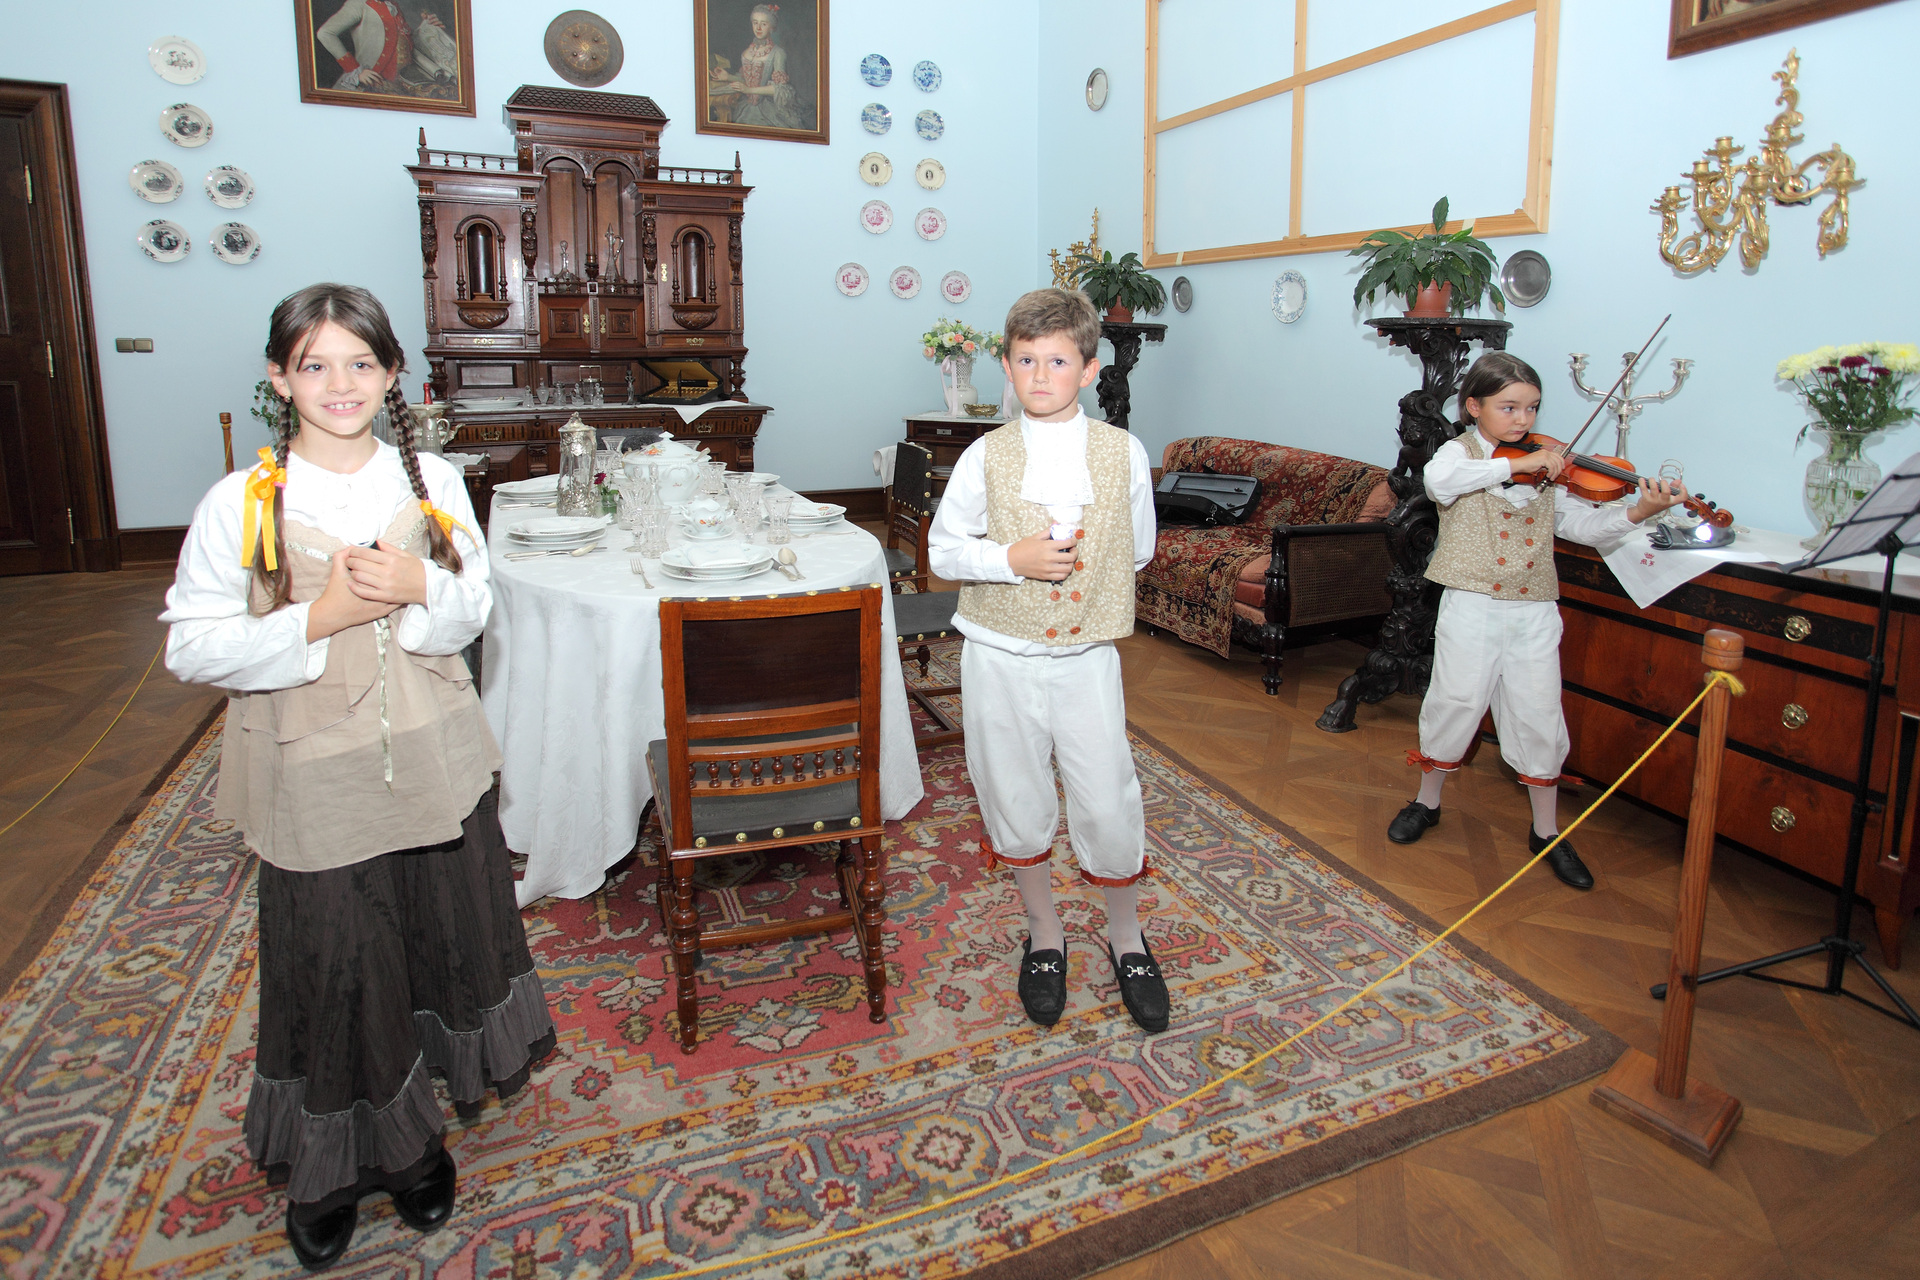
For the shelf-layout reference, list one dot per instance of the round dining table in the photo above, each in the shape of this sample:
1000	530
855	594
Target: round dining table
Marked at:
571	684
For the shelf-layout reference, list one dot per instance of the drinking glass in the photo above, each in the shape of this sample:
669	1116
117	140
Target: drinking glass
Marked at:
777	508
1676	516
713	479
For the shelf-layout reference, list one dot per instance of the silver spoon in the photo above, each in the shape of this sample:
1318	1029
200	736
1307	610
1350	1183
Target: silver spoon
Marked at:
791	566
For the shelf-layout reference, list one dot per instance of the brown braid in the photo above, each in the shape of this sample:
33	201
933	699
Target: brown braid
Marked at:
445	554
277	584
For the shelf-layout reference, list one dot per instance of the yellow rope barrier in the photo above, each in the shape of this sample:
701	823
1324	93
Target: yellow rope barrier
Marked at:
1080	1152
96	742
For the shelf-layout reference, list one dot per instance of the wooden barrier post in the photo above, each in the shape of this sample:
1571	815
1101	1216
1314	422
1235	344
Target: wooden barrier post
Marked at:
1654	1094
226	436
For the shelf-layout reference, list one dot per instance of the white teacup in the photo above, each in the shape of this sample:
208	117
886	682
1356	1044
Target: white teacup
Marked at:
707	518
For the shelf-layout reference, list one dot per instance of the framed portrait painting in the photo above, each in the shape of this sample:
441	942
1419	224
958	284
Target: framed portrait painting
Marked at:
761	69
395	55
1708	24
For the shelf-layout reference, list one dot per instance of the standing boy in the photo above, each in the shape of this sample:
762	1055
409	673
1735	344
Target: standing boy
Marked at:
1045	522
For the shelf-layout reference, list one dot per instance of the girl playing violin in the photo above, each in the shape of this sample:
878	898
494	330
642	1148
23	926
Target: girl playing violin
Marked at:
1496	642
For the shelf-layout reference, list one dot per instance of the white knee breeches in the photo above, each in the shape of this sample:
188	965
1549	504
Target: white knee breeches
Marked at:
1503	654
1025	715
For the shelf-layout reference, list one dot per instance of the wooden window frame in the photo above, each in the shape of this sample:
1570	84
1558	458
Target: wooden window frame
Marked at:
1529	219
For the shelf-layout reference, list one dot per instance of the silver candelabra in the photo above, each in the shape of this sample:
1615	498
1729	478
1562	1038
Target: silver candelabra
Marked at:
1625	405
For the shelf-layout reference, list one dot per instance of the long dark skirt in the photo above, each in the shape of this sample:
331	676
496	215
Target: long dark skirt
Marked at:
374	978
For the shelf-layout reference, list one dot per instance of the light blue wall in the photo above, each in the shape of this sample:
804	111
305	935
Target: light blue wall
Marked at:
335	203
1628	122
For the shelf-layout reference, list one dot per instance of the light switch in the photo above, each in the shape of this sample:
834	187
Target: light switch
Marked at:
127	346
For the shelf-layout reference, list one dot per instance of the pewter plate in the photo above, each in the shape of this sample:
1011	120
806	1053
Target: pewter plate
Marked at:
1525	278
1182	294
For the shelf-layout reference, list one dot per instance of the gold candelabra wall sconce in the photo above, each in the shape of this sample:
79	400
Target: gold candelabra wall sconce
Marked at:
1066	271
1730	200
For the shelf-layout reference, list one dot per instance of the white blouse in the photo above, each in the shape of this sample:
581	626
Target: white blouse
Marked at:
214	639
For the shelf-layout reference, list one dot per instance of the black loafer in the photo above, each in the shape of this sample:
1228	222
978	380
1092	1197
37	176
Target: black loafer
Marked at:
320	1243
1412	823
1142	988
1043	983
428	1203
1565	862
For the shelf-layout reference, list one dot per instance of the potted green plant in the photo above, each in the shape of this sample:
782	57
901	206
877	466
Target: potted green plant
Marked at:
1119	286
1439	273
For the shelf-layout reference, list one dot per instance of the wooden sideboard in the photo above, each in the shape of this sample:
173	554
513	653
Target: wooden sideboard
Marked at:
727	431
1793	741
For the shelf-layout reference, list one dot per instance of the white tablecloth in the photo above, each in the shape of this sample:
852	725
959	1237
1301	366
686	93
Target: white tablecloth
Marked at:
571	685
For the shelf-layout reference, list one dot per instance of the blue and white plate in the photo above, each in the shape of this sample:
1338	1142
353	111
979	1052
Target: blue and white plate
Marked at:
876	70
1289	296
929	125
875	118
927	76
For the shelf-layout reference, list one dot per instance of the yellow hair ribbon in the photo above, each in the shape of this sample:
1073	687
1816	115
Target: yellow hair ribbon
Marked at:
447	523
257	510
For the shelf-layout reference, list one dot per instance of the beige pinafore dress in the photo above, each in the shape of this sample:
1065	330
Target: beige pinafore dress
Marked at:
387	750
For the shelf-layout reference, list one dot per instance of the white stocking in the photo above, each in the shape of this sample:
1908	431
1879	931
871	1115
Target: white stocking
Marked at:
1123	919
1430	784
1546	810
1036	892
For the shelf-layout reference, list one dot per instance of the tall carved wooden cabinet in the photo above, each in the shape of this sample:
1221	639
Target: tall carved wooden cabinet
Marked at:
579	262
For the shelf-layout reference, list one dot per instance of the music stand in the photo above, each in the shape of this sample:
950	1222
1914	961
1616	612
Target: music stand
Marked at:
1887	522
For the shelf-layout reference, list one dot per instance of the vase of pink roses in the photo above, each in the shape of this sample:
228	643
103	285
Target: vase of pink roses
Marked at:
954	344
1855	392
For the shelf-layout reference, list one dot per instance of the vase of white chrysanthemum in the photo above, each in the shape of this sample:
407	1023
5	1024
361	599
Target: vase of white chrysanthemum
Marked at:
1855	392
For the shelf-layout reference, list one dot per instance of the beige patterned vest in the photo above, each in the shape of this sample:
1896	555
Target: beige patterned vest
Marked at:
1095	602
1490	546
305	771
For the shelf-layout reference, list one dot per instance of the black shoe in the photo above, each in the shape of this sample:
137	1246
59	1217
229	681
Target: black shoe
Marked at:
320	1243
428	1203
1043	983
1142	988
1412	823
1565	862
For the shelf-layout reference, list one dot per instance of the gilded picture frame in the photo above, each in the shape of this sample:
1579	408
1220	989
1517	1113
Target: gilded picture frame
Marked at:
1709	24
760	70
389	55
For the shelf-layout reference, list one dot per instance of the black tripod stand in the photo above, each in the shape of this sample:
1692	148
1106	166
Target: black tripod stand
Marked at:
1887	522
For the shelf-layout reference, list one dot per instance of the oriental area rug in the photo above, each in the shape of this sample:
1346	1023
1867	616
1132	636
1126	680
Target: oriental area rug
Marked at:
801	1141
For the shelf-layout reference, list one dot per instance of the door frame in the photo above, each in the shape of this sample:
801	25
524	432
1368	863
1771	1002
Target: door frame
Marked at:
60	269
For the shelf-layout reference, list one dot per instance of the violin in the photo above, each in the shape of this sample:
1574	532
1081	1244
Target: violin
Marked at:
1599	479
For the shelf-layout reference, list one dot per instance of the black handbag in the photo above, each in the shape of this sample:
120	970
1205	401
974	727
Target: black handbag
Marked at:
1205	498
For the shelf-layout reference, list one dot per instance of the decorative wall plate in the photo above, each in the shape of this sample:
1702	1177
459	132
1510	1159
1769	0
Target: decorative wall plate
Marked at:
955	287
876	70
234	242
876	216
875	169
930	223
1289	296
155	181
904	281
851	279
931	174
927	76
929	125
583	48
163	241
1182	294
186	125
229	186
875	118
1097	89
176	59
1525	278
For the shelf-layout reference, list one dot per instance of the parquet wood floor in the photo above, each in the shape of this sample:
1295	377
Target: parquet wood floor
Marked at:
1821	1181
1822	1178
73	648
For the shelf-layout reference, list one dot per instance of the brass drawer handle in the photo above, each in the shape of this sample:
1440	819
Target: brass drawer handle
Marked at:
491	433
1793	715
1781	819
943	431
1797	628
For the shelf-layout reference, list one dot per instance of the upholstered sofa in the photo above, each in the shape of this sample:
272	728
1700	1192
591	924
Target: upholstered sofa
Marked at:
1311	558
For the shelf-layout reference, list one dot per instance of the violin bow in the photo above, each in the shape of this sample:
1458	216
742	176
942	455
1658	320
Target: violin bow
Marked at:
1607	399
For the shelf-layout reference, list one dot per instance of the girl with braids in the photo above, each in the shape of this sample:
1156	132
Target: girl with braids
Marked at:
331	590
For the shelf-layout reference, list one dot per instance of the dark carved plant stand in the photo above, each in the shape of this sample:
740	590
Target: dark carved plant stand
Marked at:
1115	403
1402	661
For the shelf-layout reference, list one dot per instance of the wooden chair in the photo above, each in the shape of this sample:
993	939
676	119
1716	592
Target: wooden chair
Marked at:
910	515
773	740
